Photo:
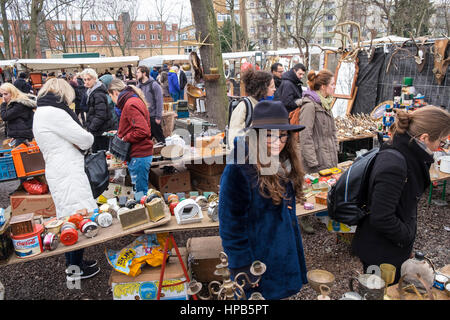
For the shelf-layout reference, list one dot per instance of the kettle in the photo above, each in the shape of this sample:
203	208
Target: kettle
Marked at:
418	271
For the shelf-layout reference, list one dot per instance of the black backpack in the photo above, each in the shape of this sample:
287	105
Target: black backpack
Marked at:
348	199
248	114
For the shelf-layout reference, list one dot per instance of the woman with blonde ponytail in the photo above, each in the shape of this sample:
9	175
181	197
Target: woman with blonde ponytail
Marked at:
398	178
134	127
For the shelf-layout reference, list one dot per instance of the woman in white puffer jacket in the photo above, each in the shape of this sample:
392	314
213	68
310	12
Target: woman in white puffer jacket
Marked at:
60	137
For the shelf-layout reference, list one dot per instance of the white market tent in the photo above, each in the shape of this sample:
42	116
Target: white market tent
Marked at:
158	61
72	63
387	39
7	63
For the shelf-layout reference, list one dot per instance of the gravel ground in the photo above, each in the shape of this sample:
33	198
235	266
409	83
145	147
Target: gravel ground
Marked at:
45	278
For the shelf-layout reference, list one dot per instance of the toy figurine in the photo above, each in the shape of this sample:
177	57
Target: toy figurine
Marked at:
388	119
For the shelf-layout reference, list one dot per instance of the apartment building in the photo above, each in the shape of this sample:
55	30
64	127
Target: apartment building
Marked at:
109	38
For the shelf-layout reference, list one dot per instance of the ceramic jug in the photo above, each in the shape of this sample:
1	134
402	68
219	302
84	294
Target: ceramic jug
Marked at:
370	286
418	265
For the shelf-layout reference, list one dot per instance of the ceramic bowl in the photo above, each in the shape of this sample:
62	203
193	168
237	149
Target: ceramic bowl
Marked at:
318	277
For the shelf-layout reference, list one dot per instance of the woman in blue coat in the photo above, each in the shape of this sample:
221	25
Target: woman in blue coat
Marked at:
257	219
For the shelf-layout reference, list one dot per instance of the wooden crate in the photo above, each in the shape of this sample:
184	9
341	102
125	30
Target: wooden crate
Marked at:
179	181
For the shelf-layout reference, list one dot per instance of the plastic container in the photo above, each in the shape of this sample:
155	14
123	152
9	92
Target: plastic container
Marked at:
29	244
7	169
28	160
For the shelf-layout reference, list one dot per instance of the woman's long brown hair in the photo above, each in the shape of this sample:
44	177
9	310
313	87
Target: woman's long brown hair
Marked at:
274	186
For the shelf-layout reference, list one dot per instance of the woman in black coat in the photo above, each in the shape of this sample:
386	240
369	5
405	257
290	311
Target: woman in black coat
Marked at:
17	111
397	181
98	118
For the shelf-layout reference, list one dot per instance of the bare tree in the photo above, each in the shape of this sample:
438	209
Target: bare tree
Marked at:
4	29
117	18
163	14
272	11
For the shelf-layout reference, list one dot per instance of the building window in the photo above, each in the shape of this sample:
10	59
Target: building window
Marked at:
60	38
93	37
151	27
142	37
58	26
168	27
141	26
92	26
252	30
111	26
112	38
152	37
99	27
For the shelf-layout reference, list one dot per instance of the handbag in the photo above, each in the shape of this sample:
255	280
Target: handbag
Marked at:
97	172
120	148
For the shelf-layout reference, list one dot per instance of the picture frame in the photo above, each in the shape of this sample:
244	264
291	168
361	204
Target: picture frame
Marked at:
345	76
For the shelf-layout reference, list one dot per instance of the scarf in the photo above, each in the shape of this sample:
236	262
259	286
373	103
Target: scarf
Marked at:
52	100
326	102
126	94
90	90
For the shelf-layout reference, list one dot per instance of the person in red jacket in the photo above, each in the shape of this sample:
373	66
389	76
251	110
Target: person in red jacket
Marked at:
134	127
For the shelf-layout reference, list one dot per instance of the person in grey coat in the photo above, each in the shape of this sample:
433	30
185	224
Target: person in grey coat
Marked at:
154	96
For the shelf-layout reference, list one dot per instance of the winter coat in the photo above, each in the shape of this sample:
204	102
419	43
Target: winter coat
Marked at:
182	79
98	118
396	183
164	82
174	86
237	120
134	125
318	141
253	228
106	80
59	138
154	74
23	85
81	91
290	90
18	117
154	96
277	81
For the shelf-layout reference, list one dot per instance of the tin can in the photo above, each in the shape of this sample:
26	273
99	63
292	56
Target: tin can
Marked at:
50	241
69	236
130	204
104	219
76	219
90	229
172	198
439	281
68	225
54	226
308	206
117	190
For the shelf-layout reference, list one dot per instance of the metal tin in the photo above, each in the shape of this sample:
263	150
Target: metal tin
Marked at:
104	219
69	236
68	225
54	226
50	241
76	219
213	211
172	198
202	202
90	229
439	281
130	204
308	206
213	197
151	197
82	223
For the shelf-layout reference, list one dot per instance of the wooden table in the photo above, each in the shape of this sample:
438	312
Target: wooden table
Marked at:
437	175
357	137
394	294
115	231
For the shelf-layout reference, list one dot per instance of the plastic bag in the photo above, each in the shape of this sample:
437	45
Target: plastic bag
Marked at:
145	249
34	186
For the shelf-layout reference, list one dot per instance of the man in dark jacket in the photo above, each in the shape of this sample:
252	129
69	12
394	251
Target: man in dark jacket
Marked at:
277	72
98	118
22	83
290	90
154	96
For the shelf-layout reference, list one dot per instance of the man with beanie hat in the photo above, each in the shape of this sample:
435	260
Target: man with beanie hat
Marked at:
22	83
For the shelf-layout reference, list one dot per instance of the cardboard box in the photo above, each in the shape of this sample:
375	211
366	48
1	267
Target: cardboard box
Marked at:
206	169
321	198
179	181
203	257
205	182
22	202
145	285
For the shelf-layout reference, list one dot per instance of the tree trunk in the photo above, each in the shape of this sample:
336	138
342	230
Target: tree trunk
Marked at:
36	9
211	57
243	18
5	27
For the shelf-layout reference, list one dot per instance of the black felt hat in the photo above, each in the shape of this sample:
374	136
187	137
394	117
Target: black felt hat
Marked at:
272	115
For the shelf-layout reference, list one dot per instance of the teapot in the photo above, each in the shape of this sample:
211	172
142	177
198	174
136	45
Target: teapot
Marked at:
418	271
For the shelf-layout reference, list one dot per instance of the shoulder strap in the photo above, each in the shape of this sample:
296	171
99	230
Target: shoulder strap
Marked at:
249	112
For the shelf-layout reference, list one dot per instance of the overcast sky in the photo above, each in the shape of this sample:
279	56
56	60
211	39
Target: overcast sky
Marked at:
171	9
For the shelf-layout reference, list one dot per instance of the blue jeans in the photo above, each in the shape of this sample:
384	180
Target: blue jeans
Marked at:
175	96
139	169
